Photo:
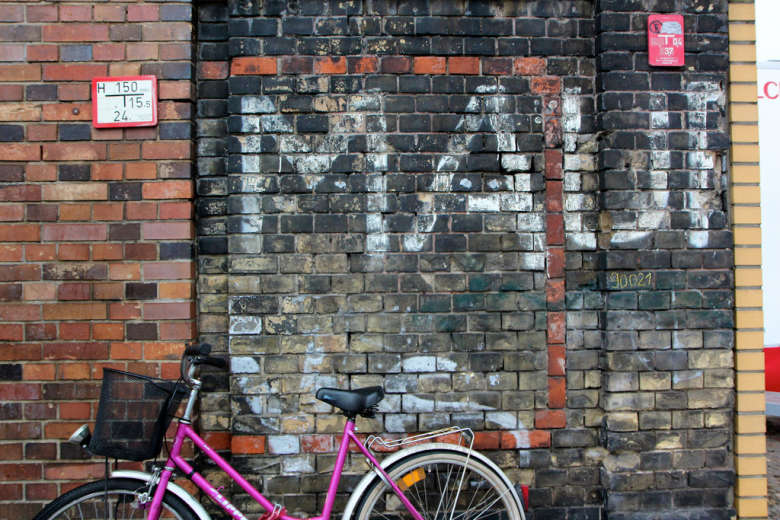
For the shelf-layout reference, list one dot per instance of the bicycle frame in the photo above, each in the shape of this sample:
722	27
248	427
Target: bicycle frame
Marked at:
175	461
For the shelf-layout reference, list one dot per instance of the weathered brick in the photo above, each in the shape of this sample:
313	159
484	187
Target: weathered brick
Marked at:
75	32
75	13
530	66
12	13
463	65
143	13
76	52
363	65
74	311
167	32
21	152
545	85
253	66
248	444
110	52
429	65
125	32
213	70
330	65
109	13
20	112
81	72
548	419
74	151
176	13
167	190
20	33
73	92
166	150
396	65
67	112
497	66
12	52
11	92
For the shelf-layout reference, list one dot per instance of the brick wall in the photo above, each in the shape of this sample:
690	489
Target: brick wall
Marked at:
495	210
667	389
96	260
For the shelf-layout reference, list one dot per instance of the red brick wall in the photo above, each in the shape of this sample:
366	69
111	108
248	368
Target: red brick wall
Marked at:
96	230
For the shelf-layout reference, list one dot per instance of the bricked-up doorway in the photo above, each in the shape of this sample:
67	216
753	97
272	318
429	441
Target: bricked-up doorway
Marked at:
394	233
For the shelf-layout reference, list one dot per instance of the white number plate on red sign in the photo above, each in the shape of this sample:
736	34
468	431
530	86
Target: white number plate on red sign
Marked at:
124	101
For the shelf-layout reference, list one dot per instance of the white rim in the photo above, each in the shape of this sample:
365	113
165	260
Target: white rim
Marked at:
80	500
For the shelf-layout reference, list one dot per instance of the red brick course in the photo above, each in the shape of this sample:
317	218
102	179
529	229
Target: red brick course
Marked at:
463	65
429	65
530	66
248	444
252	65
330	65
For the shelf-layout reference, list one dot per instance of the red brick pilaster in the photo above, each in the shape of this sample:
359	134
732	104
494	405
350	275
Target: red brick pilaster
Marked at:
96	233
555	266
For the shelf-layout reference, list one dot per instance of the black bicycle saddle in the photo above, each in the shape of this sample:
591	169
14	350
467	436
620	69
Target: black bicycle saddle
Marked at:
361	401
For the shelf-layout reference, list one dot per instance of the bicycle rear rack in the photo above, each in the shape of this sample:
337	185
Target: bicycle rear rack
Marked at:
466	434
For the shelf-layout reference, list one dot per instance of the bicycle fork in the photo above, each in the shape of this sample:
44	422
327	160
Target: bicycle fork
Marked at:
144	499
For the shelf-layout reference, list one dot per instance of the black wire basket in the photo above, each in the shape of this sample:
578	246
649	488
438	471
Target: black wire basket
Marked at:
133	415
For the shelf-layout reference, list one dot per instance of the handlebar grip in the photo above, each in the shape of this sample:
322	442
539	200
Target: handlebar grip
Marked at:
200	356
203	349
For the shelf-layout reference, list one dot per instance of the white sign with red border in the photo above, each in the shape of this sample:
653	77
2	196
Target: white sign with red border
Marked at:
124	101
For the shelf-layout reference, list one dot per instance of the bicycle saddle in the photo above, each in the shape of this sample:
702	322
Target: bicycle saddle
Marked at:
361	401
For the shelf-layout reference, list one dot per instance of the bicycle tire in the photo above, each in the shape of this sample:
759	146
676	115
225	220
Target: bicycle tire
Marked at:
87	503
430	480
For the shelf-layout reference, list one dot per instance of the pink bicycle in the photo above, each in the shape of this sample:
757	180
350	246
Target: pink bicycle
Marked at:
423	480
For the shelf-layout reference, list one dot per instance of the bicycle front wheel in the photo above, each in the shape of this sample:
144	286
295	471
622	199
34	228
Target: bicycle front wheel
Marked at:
441	486
120	500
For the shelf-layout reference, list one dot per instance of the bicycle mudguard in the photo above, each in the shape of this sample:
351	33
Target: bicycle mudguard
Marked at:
371	476
173	488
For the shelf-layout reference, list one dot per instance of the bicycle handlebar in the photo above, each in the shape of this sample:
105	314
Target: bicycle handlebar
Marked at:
200	354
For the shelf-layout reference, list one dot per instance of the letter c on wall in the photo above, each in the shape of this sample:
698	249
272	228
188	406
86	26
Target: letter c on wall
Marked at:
775	89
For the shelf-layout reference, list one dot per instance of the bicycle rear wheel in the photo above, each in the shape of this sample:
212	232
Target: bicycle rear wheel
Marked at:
441	486
88	502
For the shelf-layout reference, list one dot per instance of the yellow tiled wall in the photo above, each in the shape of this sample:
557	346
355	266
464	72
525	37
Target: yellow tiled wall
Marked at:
750	424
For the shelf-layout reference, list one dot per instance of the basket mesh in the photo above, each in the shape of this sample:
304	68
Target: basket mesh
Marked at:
133	414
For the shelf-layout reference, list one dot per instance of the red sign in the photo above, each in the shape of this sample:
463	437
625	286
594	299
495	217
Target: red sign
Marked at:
666	40
124	101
